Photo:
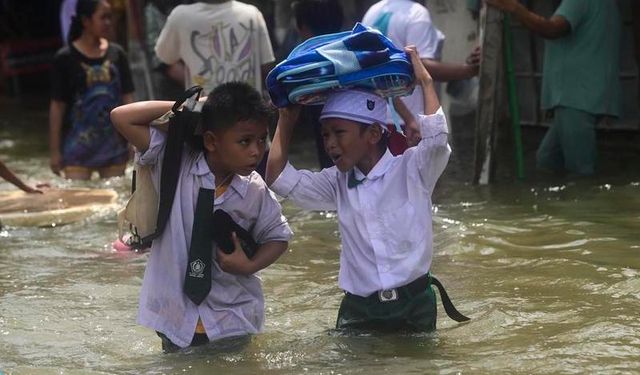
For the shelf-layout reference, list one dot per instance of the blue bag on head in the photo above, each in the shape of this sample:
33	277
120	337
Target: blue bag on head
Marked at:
362	58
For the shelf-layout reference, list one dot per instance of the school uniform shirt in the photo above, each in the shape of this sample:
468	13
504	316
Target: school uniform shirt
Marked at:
218	43
582	69
406	22
235	304
384	222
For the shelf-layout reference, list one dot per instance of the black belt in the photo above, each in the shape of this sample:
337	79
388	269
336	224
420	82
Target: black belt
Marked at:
451	310
415	287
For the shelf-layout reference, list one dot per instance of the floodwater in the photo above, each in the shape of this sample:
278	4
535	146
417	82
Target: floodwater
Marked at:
549	272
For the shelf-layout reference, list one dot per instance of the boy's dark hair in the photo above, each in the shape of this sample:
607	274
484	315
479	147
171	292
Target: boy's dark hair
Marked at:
232	102
320	16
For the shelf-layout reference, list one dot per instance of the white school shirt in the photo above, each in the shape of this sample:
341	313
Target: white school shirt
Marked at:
218	43
385	222
235	304
406	22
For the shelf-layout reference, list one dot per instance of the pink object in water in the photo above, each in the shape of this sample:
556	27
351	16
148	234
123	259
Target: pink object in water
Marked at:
118	245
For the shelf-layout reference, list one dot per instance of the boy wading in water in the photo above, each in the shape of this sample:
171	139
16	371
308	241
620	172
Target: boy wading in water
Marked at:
193	292
383	203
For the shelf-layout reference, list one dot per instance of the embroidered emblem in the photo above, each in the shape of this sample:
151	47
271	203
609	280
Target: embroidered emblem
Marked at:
371	104
197	269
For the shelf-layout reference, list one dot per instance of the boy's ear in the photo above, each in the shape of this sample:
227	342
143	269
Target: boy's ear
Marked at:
375	131
210	140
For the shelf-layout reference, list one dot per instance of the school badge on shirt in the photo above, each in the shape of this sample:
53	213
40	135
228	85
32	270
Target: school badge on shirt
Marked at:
197	269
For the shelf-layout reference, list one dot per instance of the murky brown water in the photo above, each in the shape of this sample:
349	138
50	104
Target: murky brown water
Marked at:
549	273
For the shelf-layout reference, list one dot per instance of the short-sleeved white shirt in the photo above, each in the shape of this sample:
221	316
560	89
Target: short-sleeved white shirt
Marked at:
406	22
218	43
235	304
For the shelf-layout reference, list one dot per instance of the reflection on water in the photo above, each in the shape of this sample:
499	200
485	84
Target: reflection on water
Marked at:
548	272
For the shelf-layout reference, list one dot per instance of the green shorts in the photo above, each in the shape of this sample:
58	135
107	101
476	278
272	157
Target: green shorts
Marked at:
413	310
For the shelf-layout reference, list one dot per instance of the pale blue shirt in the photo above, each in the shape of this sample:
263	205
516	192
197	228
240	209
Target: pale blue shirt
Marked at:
235	304
385	222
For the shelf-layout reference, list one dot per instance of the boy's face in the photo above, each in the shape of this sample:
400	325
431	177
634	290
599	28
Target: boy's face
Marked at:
238	149
346	142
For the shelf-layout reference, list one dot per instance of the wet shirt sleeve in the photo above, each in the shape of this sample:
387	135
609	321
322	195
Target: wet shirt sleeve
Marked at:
309	190
431	155
153	155
574	11
168	44
271	225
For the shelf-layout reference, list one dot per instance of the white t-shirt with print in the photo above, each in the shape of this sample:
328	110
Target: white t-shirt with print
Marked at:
218	43
406	22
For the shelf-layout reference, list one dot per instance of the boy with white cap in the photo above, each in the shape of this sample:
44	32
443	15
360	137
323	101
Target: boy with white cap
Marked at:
383	204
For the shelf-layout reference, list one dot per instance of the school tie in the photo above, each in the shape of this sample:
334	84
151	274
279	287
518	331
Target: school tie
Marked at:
352	181
197	281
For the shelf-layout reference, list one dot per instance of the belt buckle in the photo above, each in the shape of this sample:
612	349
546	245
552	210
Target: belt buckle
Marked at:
388	295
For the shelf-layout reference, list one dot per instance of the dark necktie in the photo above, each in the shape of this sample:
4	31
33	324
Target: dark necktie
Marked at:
352	181
197	281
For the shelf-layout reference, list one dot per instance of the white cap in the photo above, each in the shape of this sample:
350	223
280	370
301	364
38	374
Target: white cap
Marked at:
361	106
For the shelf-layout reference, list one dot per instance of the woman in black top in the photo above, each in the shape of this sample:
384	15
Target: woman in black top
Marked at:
91	76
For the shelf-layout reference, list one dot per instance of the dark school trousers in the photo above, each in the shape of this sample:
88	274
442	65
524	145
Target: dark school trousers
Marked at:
414	310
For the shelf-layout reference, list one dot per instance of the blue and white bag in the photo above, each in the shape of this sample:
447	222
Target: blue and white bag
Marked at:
362	58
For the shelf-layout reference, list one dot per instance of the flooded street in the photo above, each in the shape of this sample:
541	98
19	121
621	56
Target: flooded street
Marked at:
548	272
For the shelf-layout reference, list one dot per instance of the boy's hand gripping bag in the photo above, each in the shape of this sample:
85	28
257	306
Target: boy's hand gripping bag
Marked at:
224	226
361	58
147	211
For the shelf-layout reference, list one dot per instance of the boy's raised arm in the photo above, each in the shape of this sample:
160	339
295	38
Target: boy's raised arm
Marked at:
431	155
424	79
132	120
279	152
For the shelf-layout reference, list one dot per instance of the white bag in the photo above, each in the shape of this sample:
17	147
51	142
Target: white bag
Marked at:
140	214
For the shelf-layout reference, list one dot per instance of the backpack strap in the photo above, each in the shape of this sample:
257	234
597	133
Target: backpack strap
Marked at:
180	128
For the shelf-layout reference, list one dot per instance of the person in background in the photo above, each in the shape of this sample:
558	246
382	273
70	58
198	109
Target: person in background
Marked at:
580	81
218	41
11	177
167	80
313	18
406	22
317	17
90	77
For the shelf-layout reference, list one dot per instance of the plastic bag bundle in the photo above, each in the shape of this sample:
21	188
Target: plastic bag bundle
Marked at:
362	58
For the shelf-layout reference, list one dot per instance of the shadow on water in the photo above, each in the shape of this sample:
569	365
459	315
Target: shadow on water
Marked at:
548	270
